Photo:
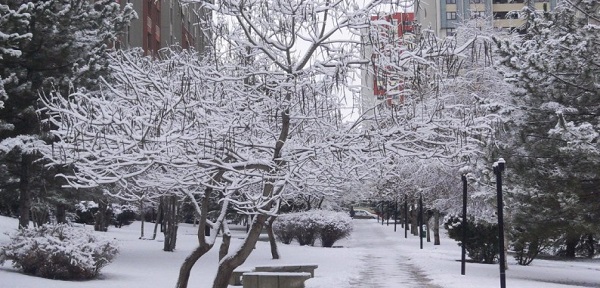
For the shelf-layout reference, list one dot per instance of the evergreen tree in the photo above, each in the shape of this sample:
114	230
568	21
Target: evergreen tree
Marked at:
68	42
11	20
556	155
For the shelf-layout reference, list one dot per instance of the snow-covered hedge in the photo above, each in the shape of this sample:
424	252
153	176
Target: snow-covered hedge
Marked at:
120	214
59	252
482	238
306	227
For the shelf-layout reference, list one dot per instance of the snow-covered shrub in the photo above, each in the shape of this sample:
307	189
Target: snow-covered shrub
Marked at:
85	211
333	226
284	229
58	252
118	214
482	238
123	214
306	227
526	245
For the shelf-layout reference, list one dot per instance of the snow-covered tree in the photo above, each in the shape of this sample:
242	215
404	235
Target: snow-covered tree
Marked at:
11	20
67	41
242	124
555	150
450	92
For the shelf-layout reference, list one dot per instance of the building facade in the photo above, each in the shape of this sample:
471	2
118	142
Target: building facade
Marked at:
380	85
442	16
379	88
166	23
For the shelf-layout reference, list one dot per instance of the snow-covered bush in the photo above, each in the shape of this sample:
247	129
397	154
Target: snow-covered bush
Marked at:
284	229
333	226
85	211
306	227
58	252
482	238
124	214
119	214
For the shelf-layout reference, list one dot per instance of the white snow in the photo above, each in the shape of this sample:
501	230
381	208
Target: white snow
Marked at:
374	256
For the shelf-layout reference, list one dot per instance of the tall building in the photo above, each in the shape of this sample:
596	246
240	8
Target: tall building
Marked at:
164	23
380	85
380	88
443	16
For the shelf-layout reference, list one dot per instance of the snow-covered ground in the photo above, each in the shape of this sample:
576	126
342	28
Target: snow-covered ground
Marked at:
374	257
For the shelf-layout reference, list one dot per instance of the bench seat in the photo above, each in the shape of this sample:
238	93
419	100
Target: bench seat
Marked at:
275	279
309	268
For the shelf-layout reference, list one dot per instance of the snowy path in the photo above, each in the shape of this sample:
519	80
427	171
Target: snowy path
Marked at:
384	268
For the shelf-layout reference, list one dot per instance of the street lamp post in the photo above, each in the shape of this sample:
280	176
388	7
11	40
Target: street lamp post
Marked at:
395	213
382	213
421	220
498	169
387	222
405	216
464	224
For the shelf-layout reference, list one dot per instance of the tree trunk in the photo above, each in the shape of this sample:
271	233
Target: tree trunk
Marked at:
571	242
142	218
188	263
436	227
24	192
414	223
170	222
590	245
61	214
428	230
203	245
248	221
101	218
321	202
224	249
227	265
39	216
159	219
272	242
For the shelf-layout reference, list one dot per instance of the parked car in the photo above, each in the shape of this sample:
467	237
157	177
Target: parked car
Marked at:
363	214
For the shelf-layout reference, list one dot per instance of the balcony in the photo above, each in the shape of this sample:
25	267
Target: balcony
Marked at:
508	23
508	7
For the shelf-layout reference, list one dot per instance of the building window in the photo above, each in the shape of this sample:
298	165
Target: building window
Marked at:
450	15
477	14
500	15
450	31
499	1
450	1
476	1
149	22
149	42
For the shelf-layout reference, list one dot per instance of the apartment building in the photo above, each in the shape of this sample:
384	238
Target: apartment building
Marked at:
165	23
442	16
380	87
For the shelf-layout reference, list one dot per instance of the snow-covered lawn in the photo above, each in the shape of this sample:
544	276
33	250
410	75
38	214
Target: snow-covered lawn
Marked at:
143	264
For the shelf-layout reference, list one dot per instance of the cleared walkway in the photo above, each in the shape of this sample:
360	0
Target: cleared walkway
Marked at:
384	265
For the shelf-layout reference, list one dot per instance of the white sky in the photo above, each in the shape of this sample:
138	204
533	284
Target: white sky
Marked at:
373	257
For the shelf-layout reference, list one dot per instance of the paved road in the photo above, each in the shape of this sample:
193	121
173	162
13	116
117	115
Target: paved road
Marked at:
384	267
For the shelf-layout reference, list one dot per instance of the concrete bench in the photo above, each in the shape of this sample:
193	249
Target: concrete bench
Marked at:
275	279
236	276
309	268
